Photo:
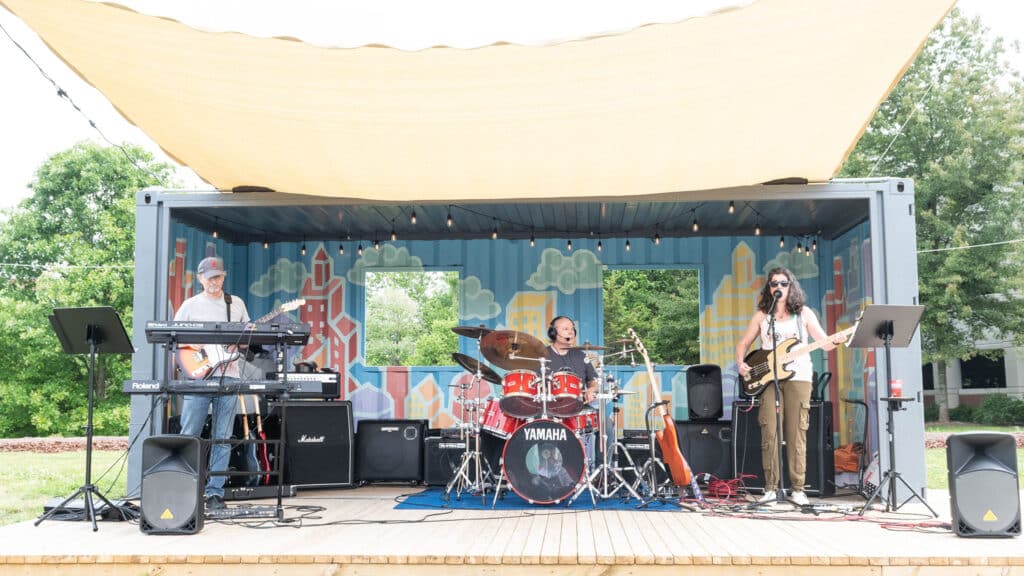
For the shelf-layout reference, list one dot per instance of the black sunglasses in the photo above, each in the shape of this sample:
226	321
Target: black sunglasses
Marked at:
777	283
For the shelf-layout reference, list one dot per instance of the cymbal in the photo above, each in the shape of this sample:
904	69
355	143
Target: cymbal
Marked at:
473	332
513	350
588	346
470	364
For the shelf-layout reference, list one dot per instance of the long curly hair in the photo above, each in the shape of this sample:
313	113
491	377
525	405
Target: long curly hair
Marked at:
795	300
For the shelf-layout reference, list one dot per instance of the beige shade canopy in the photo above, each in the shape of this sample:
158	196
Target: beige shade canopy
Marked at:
771	90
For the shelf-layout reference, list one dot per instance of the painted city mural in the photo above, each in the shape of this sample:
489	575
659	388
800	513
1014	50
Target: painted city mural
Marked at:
507	284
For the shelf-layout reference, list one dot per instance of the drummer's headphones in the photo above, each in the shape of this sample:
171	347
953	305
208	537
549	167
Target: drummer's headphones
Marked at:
552	333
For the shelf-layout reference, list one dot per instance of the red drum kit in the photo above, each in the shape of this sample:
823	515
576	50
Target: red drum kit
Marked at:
556	444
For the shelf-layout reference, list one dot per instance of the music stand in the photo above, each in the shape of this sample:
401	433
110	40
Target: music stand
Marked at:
91	331
888	326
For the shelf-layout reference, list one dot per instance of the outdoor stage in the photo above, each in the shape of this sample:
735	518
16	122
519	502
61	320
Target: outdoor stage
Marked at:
360	532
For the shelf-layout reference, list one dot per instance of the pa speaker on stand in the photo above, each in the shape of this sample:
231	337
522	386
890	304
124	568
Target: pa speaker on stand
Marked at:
704	392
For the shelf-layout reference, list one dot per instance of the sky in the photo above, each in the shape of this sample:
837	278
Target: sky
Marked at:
36	123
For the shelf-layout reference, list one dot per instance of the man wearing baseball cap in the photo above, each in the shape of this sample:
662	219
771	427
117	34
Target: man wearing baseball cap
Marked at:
213	304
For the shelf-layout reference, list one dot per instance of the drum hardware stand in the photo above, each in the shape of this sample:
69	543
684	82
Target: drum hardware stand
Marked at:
878	326
469	432
653	464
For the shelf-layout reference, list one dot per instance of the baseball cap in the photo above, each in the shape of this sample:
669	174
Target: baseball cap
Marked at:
210	267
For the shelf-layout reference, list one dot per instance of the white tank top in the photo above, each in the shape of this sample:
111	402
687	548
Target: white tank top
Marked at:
792	327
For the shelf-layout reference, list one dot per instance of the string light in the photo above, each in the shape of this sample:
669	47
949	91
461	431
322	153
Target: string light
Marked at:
494	232
568	245
412	218
657	239
696	226
376	245
732	207
627	246
341	249
533	241
303	249
757	229
266	244
799	248
782	241
599	246
394	235
450	220
814	245
216	224
359	249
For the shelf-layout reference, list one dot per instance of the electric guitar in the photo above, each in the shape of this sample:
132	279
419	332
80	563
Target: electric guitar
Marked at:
199	361
261	448
678	468
761	360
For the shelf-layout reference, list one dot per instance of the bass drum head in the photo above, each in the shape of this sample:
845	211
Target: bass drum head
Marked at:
543	461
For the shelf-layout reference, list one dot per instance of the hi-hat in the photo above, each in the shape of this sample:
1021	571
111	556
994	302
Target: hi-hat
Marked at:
513	350
473	332
471	365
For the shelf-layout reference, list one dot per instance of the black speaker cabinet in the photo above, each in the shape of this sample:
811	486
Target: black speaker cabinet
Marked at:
707	447
442	456
746	442
704	392
638	446
173	480
318	449
390	450
983	492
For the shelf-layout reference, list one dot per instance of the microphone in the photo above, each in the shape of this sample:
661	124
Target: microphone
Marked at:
777	294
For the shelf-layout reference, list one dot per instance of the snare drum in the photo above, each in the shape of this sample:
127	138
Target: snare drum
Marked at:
566	394
497	422
543	461
520	398
581	422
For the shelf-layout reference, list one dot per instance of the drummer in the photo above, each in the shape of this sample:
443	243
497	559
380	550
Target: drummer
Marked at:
562	356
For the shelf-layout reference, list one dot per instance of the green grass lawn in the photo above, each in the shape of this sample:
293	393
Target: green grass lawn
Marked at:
954	427
30	479
937	475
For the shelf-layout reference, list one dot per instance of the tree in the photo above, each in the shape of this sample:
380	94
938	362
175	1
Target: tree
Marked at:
661	305
955	124
71	243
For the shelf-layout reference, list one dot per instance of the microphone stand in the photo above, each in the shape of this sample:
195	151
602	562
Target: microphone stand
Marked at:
779	442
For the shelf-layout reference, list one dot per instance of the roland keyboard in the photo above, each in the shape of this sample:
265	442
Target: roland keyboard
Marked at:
212	387
227	333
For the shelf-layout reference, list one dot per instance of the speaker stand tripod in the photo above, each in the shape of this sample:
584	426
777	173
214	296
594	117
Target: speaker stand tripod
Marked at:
878	326
89	331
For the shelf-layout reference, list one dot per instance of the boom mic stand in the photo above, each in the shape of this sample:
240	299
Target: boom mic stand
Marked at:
879	326
89	331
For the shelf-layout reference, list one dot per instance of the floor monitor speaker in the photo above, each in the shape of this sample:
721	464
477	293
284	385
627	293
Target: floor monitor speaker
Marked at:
173	481
746	445
983	484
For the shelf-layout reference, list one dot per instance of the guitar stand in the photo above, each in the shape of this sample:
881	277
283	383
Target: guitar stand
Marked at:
653	464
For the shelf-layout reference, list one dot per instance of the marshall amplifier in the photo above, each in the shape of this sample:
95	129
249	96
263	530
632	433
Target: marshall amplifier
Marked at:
319	447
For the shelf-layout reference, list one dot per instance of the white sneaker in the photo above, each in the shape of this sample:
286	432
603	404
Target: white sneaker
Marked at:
769	496
800	498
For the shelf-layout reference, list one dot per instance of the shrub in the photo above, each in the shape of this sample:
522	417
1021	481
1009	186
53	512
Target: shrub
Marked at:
962	413
931	413
1000	410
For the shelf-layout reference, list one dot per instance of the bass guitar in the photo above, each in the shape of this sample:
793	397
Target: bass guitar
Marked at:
197	362
761	361
678	468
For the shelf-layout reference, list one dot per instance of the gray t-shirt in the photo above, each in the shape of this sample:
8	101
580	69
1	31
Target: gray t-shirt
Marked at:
202	308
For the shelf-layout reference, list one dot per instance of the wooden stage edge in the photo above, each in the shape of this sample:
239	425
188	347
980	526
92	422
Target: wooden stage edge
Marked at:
359	532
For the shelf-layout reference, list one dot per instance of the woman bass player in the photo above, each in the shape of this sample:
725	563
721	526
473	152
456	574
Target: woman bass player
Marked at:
782	298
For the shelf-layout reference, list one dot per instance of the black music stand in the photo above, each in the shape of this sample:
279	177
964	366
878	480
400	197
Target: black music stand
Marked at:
89	331
888	326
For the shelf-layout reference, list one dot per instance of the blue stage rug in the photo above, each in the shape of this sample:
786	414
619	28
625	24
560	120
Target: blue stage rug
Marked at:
433	499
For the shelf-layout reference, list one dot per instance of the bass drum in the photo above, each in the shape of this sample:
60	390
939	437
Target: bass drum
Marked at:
543	461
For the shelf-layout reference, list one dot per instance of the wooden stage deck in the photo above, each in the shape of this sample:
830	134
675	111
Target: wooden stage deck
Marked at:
359	532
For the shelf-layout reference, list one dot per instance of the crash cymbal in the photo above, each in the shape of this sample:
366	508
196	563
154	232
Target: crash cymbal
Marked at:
588	346
470	364
513	350
473	332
